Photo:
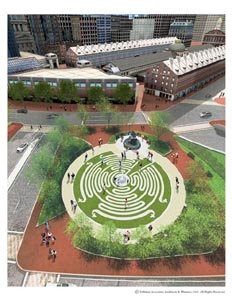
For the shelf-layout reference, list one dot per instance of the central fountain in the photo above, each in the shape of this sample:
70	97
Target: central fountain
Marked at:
132	143
121	180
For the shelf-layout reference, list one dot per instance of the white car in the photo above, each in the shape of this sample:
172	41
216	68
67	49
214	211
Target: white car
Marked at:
22	147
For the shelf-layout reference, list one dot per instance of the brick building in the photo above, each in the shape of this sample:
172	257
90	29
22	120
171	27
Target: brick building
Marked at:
176	77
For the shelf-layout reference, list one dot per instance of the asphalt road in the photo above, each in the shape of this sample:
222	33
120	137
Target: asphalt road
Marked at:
94	118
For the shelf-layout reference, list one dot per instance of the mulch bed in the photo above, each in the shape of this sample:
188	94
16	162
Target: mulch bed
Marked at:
33	256
13	128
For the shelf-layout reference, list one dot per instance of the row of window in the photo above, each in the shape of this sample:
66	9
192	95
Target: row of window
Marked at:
77	84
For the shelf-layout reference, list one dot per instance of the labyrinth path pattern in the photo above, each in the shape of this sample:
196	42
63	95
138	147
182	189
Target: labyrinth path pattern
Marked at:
101	198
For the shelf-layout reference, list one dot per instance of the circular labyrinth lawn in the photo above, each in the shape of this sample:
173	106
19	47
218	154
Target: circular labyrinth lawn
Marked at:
102	198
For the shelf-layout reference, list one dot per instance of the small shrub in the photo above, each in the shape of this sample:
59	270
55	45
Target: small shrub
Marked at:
209	174
191	155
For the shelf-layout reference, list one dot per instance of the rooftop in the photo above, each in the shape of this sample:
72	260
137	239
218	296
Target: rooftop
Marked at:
192	61
99	48
70	73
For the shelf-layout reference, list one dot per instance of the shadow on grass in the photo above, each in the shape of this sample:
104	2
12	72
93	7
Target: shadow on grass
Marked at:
217	257
118	264
147	264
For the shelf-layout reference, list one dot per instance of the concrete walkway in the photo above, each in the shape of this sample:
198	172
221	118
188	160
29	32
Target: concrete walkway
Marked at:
177	199
191	127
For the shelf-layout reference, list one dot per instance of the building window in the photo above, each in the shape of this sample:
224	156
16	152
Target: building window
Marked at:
52	83
168	72
80	84
130	84
166	83
26	82
163	77
111	84
155	81
162	82
173	79
12	81
156	75
95	84
171	84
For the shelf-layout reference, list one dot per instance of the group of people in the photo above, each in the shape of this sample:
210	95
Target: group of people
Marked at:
47	238
71	177
175	157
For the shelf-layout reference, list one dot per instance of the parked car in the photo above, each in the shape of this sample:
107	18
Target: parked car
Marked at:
52	116
22	147
22	111
205	114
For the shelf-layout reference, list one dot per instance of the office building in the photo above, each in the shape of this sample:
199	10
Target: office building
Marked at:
121	25
183	30
13	49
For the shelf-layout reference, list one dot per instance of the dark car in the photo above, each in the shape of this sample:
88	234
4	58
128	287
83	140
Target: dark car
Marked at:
22	111
205	114
52	116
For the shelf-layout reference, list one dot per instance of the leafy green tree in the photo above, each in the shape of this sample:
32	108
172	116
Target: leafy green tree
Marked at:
158	123
123	93
43	90
106	108
82	113
62	125
95	93
141	233
18	91
41	165
67	91
53	139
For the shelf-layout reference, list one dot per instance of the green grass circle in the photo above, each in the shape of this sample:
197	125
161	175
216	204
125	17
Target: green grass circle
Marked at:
148	191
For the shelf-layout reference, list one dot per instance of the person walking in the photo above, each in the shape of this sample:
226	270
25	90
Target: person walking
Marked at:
72	175
86	157
126	203
47	225
68	177
54	253
74	206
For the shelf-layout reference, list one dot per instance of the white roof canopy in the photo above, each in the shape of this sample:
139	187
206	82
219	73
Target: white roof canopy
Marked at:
99	48
189	62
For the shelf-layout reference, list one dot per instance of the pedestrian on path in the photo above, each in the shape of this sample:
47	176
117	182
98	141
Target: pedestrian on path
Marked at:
86	157
177	187
31	127
92	150
54	253
68	177
73	175
74	206
102	160
40	127
53	239
126	203
47	225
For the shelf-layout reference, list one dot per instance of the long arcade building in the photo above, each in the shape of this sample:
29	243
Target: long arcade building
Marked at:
83	79
176	77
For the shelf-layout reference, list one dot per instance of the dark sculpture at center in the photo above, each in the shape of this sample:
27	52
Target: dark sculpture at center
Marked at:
132	143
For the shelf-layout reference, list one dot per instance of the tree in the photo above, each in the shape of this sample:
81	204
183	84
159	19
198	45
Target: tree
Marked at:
53	138
141	233
197	179
123	93
41	165
43	91
106	108
62	125
158	123
67	91
18	91
82	113
95	93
